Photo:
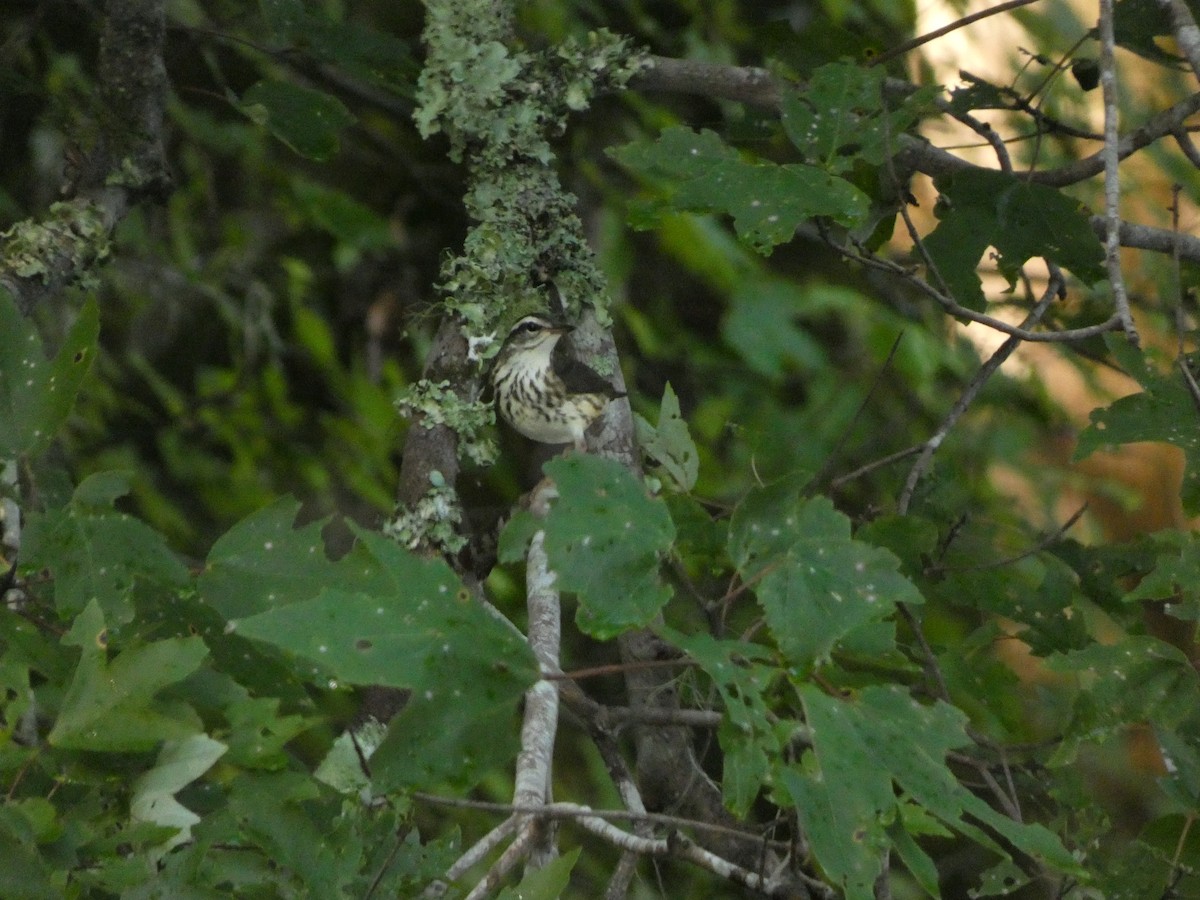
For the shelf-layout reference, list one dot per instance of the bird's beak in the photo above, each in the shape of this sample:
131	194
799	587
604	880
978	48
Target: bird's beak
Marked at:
561	328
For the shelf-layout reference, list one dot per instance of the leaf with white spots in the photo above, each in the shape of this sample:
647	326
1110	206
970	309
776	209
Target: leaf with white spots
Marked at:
419	621
413	625
95	553
264	562
816	584
840	120
604	537
1139	678
36	394
701	173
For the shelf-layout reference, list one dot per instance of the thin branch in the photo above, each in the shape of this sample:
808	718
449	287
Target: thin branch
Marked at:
972	390
572	811
1049	540
474	855
1185	143
835	452
1112	183
512	855
958	311
539	728
1157	126
877	464
916	42
744	84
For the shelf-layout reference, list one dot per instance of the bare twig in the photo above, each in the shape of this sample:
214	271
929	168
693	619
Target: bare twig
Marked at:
956	309
1112	184
901	49
474	855
972	390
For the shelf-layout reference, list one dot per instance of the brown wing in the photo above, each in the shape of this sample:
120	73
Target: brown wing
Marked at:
577	377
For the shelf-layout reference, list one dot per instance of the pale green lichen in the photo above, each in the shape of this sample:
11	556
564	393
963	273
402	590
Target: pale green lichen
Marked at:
439	404
72	237
433	521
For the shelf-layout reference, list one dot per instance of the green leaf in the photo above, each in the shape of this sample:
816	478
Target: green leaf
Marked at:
359	50
916	860
748	735
1164	411
306	120
844	792
816	584
95	553
416	620
1002	879
669	444
412	625
36	394
24	874
840	117
547	883
604	538
283	813
768	202
1135	679
841	797
263	562
980	208
1180	747
179	763
454	734
112	705
1175	577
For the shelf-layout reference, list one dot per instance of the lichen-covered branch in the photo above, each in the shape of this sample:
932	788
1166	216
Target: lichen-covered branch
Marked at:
120	162
498	107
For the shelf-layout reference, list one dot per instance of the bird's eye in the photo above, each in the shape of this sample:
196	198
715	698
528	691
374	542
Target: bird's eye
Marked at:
530	327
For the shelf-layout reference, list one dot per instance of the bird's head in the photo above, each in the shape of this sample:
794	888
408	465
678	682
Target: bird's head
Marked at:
533	334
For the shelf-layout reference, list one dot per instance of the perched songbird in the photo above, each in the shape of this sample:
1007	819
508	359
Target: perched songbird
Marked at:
543	392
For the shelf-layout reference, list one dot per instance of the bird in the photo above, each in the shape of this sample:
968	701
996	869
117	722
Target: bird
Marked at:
542	391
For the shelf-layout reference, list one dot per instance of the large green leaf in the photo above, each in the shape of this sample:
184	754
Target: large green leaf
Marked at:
863	749
980	208
96	553
37	393
412	625
417	621
817	584
767	201
1136	679
604	538
263	562
113	705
